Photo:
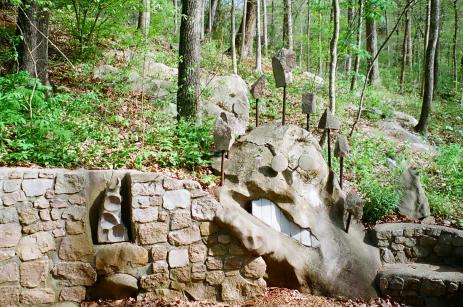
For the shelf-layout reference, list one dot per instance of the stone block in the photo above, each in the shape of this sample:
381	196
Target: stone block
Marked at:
158	252
72	294
120	258
435	232
180	219
214	263
178	258
204	208
409	232
198	252
432	287
56	214
34	273
282	65
176	199
181	274
37	296
147	215
396	283
184	236
10	296
147	189
69	183
28	249
191	184
8	215
155	281
45	215
36	187
9	272
258	88
198	267
75	227
13	198
170	184
75	273
74	248
57	233
420	251
200	291
151	233
218	250
30	175
27	214
75	213
215	277
233	263
10	186
59	203
255	268
160	267
387	256
208	228
7	253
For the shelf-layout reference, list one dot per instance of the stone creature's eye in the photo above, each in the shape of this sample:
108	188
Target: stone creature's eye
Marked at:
280	163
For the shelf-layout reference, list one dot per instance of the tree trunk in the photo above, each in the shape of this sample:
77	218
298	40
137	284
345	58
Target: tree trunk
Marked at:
264	4
359	44
388	46
350	25
426	40
320	56
175	16
288	25
461	67
372	47
436	64
405	48
233	37
308	36
422	126
333	56
259	41
202	18
246	29
213	5
272	26
189	54
144	18
33	49
454	44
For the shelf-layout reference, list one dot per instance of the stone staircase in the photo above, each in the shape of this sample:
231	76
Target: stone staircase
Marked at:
422	264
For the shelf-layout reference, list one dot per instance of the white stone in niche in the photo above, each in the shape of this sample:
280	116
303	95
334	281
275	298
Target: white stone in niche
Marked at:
269	213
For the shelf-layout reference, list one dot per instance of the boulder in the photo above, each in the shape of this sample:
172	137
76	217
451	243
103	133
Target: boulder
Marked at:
414	202
120	258
335	263
117	286
105	72
228	94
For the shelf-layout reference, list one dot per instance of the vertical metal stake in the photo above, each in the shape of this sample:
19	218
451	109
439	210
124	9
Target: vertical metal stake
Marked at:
222	172
348	222
283	121
257	112
329	148
308	121
341	170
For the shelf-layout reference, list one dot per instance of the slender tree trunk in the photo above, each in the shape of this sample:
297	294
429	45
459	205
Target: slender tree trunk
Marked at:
334	56
454	44
233	37
246	29
144	18
258	41
288	25
350	25
359	44
33	49
213	5
308	36
189	54
461	72
372	47
320	56
426	40
203	19
175	16
388	46
264	4
422	126
272	26
405	48
436	64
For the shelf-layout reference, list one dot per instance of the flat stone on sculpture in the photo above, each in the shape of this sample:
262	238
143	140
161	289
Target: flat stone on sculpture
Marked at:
341	148
309	103
354	204
282	65
279	163
223	134
258	88
329	121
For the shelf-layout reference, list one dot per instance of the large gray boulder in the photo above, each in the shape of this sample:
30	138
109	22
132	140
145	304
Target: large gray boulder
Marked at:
328	260
227	94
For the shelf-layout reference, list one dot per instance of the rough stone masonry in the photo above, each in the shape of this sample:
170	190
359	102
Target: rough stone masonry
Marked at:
47	255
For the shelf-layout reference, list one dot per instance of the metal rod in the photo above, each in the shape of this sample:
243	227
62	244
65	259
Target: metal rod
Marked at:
349	217
257	112
341	170
283	120
329	148
308	121
222	172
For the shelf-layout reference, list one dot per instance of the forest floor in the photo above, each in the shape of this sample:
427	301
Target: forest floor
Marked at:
273	297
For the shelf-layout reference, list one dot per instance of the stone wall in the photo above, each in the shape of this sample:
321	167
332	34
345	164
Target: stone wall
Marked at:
407	242
47	254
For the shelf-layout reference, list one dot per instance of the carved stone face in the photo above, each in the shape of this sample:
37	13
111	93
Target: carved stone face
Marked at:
311	201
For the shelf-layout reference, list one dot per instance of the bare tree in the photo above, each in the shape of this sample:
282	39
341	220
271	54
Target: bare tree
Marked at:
425	42
359	44
189	54
422	126
308	36
213	5
288	25
334	55
259	41
33	50
243	29
246	29
175	16
372	47
233	37
454	44
406	48
144	17
350	26
265	25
